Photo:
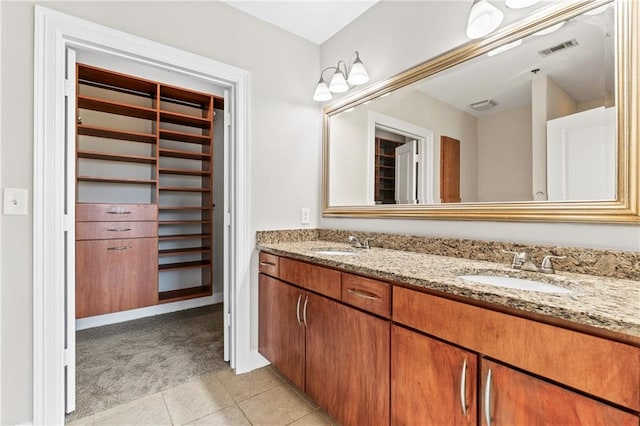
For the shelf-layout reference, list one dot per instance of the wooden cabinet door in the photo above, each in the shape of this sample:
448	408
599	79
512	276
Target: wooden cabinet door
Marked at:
347	362
513	398
115	275
432	383
280	331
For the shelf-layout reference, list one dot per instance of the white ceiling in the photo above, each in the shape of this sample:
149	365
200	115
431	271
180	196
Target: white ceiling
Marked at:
316	21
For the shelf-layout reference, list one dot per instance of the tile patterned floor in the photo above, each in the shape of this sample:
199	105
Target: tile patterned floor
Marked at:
262	397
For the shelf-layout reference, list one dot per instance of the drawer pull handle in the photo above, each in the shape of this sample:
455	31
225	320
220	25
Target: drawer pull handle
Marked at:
118	212
304	311
362	294
119	248
463	388
487	399
118	229
267	264
298	309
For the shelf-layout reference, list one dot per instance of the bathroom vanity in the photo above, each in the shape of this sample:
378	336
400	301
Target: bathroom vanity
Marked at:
395	337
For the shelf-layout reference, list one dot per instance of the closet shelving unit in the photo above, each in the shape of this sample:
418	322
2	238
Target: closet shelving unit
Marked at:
165	158
385	171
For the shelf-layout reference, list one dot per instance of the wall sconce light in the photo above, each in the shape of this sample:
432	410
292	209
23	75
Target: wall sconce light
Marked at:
483	18
343	79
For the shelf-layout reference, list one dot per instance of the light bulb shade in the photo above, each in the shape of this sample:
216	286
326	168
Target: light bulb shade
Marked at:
520	4
322	92
550	29
357	74
338	83
483	18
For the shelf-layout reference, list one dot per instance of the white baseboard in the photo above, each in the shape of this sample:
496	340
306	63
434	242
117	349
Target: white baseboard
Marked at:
98	320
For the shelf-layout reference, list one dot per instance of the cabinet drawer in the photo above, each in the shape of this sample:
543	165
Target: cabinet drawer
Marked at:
370	295
110	230
595	365
315	278
268	264
90	212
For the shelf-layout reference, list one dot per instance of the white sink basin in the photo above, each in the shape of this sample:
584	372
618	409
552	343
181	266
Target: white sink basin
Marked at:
516	283
337	252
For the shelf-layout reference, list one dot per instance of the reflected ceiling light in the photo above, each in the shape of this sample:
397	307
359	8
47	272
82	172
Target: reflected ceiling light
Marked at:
550	29
520	4
344	78
483	18
597	10
505	47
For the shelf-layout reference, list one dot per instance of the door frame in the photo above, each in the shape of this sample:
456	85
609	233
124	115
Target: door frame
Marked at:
54	33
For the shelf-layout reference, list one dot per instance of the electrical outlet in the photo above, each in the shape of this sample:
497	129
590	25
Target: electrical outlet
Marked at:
15	201
304	216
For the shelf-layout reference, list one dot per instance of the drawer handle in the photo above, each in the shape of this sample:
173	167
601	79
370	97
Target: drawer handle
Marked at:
298	309
463	388
118	229
267	264
487	399
118	212
119	248
362	294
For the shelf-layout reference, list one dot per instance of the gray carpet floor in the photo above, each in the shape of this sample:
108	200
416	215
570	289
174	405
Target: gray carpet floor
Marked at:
122	362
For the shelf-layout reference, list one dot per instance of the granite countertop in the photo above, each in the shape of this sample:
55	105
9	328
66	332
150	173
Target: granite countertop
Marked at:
604	303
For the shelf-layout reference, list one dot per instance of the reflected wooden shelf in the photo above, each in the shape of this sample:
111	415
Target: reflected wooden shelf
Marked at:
118	108
104	132
184	294
116	180
107	156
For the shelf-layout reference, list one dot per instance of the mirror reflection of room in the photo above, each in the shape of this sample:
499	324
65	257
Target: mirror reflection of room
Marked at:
535	120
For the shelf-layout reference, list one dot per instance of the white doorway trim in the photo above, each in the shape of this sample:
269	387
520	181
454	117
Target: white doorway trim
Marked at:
54	32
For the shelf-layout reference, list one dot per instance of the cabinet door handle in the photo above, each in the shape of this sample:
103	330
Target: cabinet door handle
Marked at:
119	248
487	399
118	229
267	264
304	311
298	309
118	212
463	388
362	294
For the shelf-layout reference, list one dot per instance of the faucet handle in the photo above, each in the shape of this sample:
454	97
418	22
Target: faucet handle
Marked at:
518	258
366	242
547	263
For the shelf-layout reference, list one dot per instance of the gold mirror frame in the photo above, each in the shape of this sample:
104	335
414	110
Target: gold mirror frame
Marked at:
625	209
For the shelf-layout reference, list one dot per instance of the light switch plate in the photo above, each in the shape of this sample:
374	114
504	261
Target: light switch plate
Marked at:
15	201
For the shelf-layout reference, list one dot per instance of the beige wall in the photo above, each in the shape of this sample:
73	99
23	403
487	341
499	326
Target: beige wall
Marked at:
393	36
284	145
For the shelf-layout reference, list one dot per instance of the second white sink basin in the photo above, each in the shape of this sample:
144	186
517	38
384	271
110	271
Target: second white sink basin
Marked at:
516	283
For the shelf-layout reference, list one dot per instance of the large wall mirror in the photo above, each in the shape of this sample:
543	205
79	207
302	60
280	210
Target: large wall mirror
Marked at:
538	121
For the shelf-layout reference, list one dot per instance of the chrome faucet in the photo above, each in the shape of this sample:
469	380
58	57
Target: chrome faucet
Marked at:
522	261
355	242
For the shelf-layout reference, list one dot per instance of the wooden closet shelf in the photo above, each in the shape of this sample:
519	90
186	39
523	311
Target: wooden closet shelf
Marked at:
185	137
382	166
185	120
183	294
103	132
387	155
165	170
181	95
184	265
184	222
95	155
182	189
386	178
116	81
179	251
184	208
116	180
119	108
189	155
183	237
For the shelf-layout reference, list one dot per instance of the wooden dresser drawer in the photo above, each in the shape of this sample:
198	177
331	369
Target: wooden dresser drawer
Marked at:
315	278
268	264
371	295
600	367
111	230
90	212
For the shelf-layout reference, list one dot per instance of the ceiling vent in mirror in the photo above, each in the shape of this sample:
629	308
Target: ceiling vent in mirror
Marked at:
482	105
558	47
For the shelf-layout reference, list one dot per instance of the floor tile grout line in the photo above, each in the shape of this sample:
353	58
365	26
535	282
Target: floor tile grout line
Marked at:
166	406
